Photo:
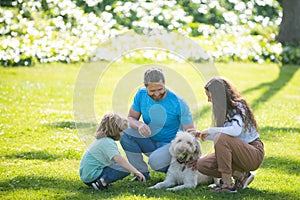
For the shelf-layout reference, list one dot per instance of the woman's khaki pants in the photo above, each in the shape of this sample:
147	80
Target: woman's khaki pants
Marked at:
231	154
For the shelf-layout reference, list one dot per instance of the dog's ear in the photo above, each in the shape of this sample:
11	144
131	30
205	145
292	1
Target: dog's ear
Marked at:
171	148
198	151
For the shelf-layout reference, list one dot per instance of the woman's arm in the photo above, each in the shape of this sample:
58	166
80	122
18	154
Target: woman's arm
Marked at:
234	129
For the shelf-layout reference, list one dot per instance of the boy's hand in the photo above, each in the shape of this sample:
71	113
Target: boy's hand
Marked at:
140	177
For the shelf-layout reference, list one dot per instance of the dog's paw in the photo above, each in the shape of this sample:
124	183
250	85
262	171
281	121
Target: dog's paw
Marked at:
152	187
171	189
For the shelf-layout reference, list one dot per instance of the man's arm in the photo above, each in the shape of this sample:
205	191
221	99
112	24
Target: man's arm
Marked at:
133	117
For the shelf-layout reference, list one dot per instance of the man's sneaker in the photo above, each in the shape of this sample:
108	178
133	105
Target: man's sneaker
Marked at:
243	181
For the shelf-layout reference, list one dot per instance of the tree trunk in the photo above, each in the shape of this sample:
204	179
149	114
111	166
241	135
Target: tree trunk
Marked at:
290	25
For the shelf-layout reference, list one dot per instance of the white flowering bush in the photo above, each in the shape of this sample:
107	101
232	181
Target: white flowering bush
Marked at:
69	31
63	32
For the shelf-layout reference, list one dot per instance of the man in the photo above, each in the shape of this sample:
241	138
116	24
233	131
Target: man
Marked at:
163	113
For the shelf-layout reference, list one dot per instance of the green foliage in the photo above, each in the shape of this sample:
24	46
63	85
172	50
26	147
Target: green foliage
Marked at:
7	3
291	53
68	31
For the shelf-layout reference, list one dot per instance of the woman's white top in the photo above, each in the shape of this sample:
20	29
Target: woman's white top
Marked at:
236	128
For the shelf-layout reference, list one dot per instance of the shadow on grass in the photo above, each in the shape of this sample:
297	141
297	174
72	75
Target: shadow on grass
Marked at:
269	133
285	165
280	129
72	124
70	189
285	75
43	155
39	182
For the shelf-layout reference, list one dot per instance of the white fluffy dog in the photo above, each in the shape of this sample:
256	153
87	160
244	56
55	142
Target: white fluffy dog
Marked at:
184	147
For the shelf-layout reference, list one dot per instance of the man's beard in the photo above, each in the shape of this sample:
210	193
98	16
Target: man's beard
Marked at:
158	98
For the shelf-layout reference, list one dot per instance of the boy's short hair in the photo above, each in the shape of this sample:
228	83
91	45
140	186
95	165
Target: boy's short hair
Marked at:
111	125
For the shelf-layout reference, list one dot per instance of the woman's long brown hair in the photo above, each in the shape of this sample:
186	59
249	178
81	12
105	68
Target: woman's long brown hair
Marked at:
227	102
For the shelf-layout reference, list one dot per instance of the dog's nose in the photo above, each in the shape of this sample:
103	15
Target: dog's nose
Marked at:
181	150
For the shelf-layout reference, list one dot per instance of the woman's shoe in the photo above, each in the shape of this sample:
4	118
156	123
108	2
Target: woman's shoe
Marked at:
243	181
226	189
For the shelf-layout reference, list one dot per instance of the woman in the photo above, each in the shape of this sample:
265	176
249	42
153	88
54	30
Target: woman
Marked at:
238	149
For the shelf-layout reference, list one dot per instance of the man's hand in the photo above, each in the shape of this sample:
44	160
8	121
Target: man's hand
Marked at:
144	130
199	134
194	132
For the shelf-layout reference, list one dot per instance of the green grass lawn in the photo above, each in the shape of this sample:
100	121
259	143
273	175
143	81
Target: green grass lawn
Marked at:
41	147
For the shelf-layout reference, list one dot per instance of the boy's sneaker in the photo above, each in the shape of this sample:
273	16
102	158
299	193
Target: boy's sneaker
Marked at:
95	186
243	181
98	185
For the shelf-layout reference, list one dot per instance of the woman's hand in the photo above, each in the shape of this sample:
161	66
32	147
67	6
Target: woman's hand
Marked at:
144	130
194	132
204	134
192	164
140	177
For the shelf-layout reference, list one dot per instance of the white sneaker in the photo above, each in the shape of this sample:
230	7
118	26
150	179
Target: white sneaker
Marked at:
95	186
